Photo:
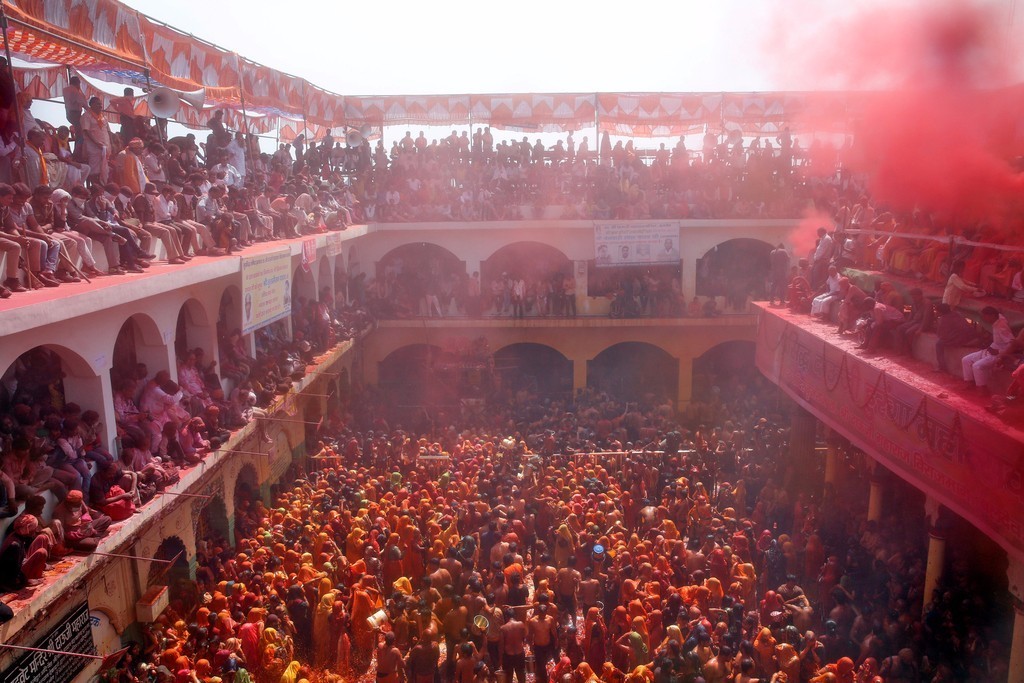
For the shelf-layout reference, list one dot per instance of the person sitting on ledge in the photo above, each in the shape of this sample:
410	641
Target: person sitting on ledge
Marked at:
83	528
23	555
978	366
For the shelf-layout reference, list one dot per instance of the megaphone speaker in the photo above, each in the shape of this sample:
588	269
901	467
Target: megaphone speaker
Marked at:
164	103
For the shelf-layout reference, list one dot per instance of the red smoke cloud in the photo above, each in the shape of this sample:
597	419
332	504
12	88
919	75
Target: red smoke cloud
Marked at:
804	237
936	124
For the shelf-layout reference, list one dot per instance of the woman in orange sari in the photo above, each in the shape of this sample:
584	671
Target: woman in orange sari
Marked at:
365	601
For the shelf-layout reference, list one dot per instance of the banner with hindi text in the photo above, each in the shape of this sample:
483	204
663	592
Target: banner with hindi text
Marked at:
636	243
266	288
72	634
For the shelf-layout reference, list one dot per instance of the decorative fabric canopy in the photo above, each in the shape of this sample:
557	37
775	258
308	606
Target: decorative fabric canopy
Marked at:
107	40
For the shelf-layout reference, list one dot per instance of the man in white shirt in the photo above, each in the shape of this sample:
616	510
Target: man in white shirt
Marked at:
232	178
96	135
822	257
165	209
977	366
235	152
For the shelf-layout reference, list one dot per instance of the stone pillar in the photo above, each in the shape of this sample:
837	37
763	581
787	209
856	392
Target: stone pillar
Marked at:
876	498
1015	574
802	436
936	546
1017	643
579	374
684	391
832	465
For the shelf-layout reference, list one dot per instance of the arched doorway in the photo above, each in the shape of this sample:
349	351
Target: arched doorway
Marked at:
735	269
192	329
303	287
229	312
247	492
536	368
633	370
176	575
541	266
340	281
49	376
212	525
728	366
139	343
411	272
325	278
407	376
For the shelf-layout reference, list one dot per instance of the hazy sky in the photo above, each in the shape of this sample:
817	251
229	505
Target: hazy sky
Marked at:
463	46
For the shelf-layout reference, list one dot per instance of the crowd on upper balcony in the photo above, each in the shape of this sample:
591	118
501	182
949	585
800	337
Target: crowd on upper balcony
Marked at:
70	189
876	279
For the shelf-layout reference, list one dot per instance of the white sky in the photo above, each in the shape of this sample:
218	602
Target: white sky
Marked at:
467	46
393	47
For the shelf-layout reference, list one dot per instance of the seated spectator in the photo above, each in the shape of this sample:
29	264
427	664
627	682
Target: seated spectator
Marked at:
115	492
83	528
822	304
920	319
978	366
956	286
30	473
953	330
880	320
23	555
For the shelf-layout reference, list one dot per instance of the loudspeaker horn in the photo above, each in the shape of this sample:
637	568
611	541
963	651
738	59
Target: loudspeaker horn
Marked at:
196	98
365	130
353	138
164	103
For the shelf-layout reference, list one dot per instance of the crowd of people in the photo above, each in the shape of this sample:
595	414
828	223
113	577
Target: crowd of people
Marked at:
52	446
127	191
984	277
501	549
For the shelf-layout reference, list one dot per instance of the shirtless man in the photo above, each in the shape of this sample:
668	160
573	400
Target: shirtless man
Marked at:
543	638
423	660
512	636
567	583
389	661
719	668
455	620
590	589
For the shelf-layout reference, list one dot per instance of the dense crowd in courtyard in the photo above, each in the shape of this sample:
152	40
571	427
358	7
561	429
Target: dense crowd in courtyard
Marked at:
501	549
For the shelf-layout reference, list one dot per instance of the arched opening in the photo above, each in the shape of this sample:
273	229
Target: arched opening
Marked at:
654	290
425	380
247	492
303	288
635	371
356	279
543	269
340	281
48	377
192	329
325	277
406	376
229	312
414	275
175	574
736	269
212	525
536	368
139	350
727	366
